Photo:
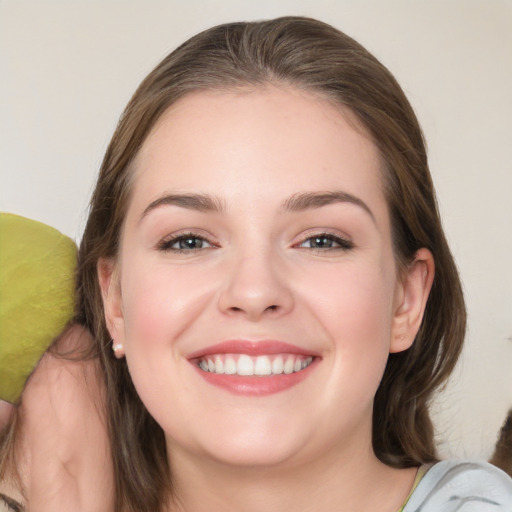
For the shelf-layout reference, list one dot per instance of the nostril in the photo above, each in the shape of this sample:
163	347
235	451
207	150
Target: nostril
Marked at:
272	308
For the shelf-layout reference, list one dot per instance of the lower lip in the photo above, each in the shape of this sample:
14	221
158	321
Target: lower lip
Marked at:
257	385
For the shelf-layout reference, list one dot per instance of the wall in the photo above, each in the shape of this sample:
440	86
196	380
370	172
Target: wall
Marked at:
68	68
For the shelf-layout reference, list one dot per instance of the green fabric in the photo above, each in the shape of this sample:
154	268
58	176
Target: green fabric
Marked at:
37	266
419	475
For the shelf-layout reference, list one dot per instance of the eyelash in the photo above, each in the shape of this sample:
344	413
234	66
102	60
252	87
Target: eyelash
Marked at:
166	245
343	243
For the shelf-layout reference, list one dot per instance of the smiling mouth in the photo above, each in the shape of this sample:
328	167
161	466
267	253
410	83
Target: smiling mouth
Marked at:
249	366
254	368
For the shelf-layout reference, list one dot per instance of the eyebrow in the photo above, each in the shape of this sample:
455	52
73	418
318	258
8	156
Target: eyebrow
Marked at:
298	202
199	202
310	200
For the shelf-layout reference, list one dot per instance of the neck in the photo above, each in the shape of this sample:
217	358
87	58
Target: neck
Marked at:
357	482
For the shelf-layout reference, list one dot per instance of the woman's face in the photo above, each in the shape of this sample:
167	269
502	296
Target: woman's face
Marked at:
256	292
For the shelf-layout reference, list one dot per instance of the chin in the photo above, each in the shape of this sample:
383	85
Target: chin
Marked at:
257	445
256	456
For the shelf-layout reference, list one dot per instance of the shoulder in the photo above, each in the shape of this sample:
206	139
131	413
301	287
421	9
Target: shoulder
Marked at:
462	486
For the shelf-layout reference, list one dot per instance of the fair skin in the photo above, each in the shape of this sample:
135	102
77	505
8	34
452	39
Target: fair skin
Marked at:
62	454
6	409
292	246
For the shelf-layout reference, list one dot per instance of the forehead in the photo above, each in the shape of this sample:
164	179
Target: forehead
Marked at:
257	141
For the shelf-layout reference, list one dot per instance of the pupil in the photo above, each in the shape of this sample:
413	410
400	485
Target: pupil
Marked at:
191	243
322	242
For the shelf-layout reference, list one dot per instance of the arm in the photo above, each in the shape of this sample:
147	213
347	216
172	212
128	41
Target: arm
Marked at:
62	448
6	409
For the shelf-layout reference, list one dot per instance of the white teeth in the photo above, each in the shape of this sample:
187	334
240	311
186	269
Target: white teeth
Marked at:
219	365
230	366
277	365
289	366
245	365
262	366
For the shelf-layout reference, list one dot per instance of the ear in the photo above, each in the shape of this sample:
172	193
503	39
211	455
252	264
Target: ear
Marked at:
112	303
411	300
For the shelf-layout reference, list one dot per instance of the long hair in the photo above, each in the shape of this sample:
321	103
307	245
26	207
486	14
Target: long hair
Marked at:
309	55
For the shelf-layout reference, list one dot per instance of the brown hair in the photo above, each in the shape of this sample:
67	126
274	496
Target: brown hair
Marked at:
310	55
502	456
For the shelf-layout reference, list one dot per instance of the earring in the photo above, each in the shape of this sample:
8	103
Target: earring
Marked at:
118	349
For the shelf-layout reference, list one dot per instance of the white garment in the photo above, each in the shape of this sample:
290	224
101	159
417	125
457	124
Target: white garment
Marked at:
462	486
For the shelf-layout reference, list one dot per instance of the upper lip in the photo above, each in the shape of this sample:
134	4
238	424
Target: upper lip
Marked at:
251	348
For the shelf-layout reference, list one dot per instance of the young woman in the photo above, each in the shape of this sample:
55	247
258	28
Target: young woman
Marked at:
265	257
264	250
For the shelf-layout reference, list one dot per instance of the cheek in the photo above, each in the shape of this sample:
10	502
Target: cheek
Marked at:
355	308
144	307
160	301
357	297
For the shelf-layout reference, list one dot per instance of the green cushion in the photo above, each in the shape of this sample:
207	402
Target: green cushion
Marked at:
37	267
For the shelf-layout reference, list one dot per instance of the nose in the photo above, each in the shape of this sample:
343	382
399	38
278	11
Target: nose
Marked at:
256	287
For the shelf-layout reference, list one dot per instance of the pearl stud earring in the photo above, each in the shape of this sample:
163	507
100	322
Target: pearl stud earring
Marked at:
118	349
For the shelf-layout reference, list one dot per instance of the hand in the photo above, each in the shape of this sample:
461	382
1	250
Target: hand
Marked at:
65	451
6	409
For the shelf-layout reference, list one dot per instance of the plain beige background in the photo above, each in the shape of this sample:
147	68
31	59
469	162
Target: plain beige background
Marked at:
67	68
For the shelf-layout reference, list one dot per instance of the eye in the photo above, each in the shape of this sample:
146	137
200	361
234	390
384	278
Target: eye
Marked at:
326	241
188	242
